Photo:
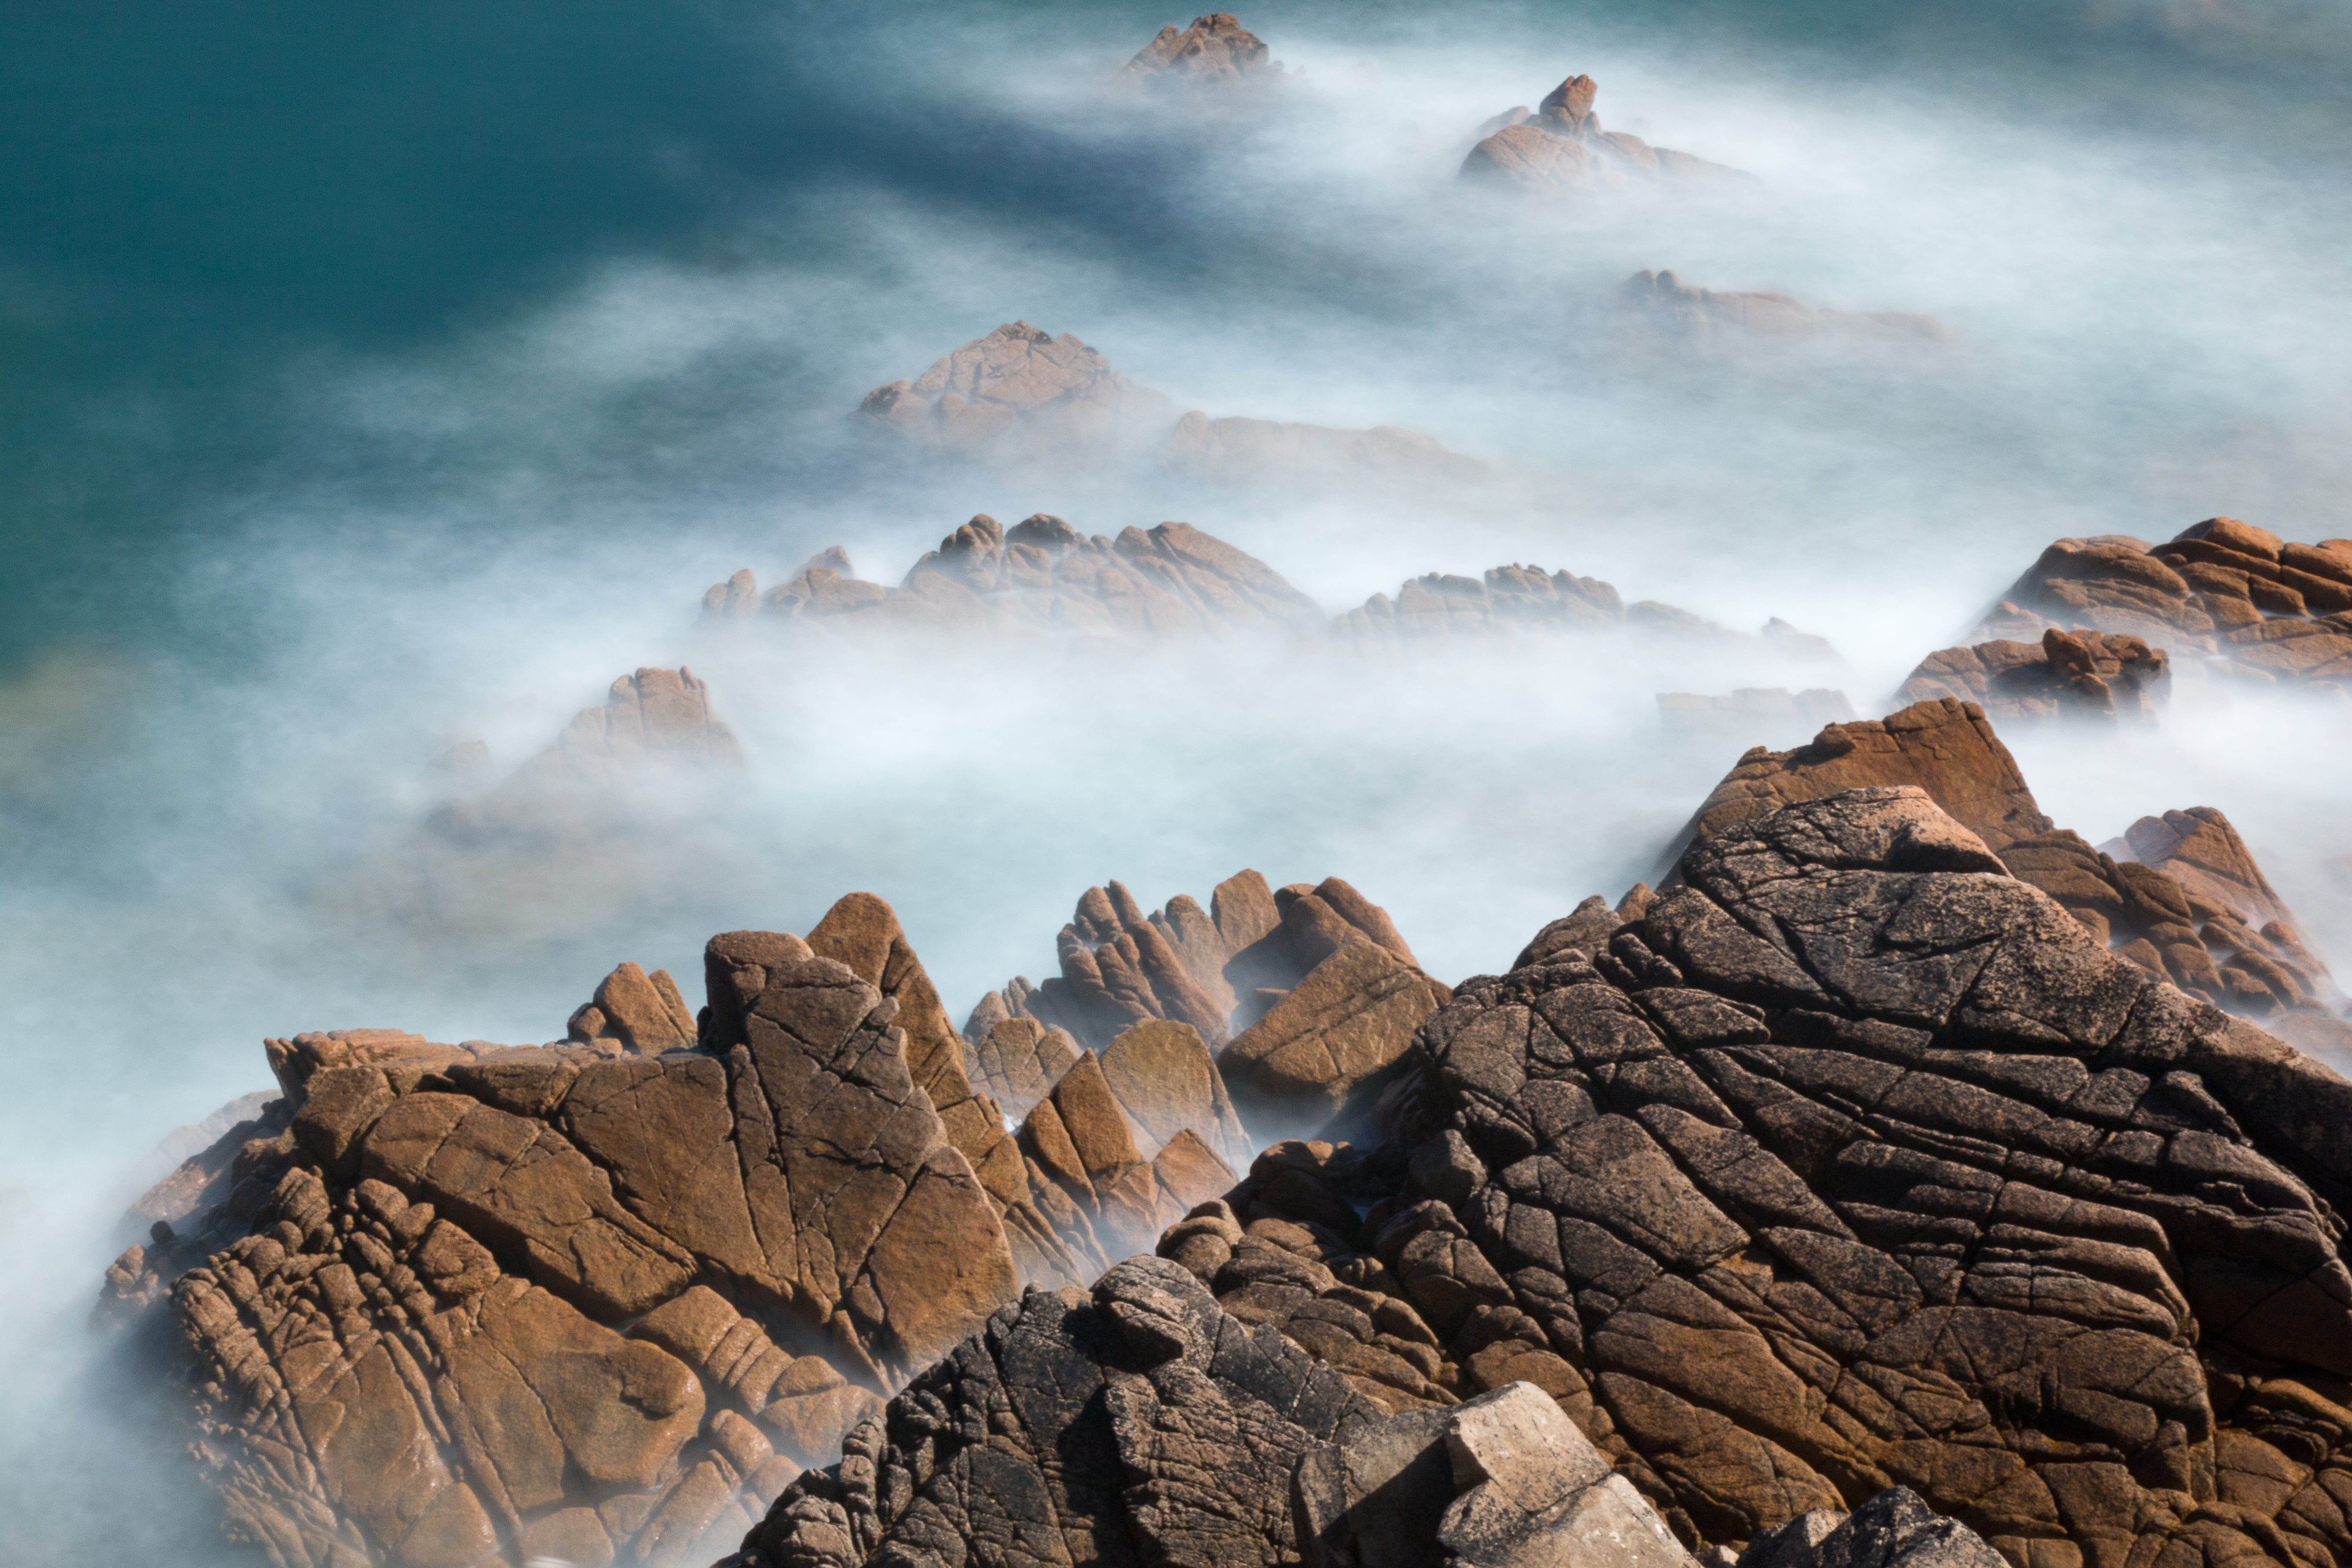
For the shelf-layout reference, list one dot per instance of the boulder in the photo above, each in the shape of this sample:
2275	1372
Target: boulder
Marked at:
1019	387
640	1012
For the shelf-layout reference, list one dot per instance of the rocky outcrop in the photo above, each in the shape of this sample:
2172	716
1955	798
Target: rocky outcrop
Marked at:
1850	1161
1235	449
1020	384
2229	599
641	1013
1309	995
1893	1528
1661	307
1040	576
599	1301
1517	599
2222	933
1560	147
1217	48
2104	676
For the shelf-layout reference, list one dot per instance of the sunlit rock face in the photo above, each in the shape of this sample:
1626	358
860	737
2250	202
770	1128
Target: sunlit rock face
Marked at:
2100	677
1849	1173
1560	149
1216	49
2233	602
601	1300
2218	928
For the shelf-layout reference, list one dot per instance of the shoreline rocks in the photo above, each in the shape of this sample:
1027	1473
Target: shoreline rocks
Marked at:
1561	149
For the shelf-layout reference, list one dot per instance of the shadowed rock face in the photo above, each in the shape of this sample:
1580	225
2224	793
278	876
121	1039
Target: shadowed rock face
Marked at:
2102	677
2235	601
1849	1162
1561	149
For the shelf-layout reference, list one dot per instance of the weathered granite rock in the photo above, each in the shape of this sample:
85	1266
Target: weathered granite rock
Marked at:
1217	48
2234	601
2105	677
1305	1027
475	1304
1041	576
1893	1528
1664	308
1518	599
1561	149
643	1012
1019	386
1853	1161
2218	931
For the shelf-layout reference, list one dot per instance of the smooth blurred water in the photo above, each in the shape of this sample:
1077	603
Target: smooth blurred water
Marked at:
376	378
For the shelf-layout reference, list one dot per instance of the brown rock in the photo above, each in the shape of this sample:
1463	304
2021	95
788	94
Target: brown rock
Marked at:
2085	674
1215	49
1167	1084
1324	1051
643	1012
1563	149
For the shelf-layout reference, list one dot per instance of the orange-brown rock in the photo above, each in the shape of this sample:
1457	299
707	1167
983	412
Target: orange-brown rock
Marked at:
1217	48
1042	575
2100	676
644	1013
1023	388
478	1304
2236	601
1561	148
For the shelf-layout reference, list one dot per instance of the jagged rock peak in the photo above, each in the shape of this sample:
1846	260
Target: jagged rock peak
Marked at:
1215	49
1561	148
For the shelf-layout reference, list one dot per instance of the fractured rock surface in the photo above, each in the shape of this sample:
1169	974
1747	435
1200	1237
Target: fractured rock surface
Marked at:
2235	601
597	1302
1020	381
2218	929
2103	677
1561	149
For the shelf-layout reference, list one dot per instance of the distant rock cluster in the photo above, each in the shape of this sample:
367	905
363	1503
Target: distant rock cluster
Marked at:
1688	316
1217	48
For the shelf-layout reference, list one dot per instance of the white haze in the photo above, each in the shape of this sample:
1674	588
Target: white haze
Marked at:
473	537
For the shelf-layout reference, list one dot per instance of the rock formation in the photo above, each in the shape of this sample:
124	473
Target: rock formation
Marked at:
1021	391
1051	392
1525	598
1039	575
1215	49
1848	1174
1560	148
2234	601
1662	306
2218	929
2100	676
1309	995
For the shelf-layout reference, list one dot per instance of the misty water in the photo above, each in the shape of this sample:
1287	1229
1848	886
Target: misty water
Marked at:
375	383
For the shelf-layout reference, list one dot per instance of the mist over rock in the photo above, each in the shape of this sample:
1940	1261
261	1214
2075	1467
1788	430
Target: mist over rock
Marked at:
1215	49
1021	393
1662	308
1751	709
1560	149
2103	677
1850	1202
2224	598
1040	576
